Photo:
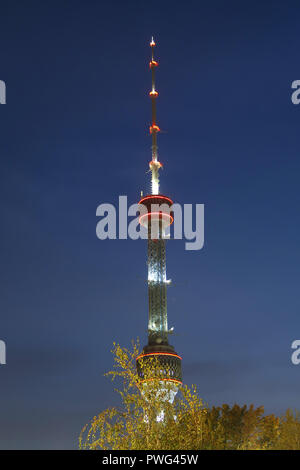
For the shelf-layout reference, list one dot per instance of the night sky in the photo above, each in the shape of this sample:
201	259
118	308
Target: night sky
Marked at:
74	134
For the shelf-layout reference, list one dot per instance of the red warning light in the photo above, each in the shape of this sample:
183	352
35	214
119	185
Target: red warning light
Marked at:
153	63
154	128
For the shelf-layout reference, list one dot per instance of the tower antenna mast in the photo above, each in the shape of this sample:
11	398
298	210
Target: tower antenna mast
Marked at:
154	165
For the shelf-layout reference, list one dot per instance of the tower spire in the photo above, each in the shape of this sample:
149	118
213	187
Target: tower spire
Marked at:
154	165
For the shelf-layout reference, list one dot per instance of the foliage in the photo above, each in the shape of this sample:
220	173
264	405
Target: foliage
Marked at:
187	422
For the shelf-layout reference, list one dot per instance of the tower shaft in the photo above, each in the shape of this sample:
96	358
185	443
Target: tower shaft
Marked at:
157	291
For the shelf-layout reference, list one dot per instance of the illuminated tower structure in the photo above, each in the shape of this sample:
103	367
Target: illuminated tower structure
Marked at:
156	218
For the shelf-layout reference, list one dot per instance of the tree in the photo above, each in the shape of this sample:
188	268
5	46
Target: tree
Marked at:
289	431
148	420
136	425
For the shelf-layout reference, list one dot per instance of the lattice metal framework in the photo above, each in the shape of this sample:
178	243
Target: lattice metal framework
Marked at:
157	291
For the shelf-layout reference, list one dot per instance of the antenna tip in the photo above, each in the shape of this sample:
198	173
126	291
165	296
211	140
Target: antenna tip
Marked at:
152	43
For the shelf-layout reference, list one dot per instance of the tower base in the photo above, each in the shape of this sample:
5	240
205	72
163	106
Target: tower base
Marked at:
159	361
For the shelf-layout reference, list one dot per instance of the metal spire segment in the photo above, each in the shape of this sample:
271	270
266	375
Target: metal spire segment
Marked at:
154	165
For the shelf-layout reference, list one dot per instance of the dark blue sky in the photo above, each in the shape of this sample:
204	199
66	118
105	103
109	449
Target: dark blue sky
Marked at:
74	134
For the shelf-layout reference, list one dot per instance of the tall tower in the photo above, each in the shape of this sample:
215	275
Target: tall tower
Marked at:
156	217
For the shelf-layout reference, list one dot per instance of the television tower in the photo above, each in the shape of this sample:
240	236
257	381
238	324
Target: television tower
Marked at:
156	216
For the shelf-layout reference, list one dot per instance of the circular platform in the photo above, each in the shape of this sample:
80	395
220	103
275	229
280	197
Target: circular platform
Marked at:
156	208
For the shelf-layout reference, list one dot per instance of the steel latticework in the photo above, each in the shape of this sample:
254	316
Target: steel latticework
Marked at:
157	216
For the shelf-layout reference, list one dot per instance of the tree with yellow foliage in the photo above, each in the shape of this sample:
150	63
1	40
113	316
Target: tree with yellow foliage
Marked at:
149	420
